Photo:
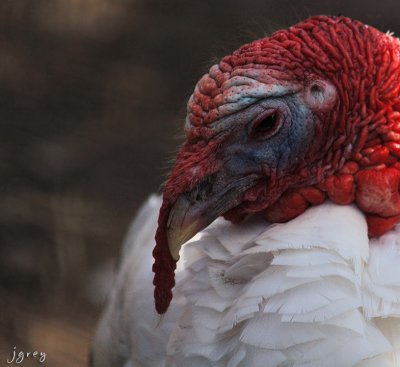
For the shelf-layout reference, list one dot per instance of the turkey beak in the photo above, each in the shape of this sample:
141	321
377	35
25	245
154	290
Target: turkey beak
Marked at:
195	210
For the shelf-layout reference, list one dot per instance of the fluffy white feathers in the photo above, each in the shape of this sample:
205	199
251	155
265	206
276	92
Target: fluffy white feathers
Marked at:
303	293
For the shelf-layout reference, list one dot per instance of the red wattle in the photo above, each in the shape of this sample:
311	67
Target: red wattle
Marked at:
378	191
377	226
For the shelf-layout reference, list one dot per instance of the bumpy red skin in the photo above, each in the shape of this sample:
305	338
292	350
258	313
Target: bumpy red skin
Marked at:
358	159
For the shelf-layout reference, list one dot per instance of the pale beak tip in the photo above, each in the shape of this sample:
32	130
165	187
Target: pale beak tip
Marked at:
179	236
174	249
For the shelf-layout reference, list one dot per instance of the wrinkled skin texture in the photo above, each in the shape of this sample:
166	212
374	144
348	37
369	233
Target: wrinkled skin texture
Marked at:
285	122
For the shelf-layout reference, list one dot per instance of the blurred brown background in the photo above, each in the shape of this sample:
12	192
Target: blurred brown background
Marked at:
92	100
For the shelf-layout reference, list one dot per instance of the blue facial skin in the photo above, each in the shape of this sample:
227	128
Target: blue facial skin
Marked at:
282	151
250	156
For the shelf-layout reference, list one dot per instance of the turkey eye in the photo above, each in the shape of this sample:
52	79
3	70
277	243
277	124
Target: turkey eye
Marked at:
266	125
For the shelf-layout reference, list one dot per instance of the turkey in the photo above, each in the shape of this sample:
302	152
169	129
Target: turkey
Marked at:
285	194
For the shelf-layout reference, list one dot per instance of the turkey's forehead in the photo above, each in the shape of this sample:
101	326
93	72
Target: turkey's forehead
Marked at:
334	48
226	90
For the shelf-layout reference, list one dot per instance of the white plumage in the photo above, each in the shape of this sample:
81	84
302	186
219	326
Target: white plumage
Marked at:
311	292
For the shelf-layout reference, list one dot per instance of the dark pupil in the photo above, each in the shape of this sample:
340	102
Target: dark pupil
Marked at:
266	125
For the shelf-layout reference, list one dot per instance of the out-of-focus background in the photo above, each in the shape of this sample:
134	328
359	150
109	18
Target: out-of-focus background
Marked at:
92	101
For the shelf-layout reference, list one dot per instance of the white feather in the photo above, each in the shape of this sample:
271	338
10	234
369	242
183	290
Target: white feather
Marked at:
307	293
